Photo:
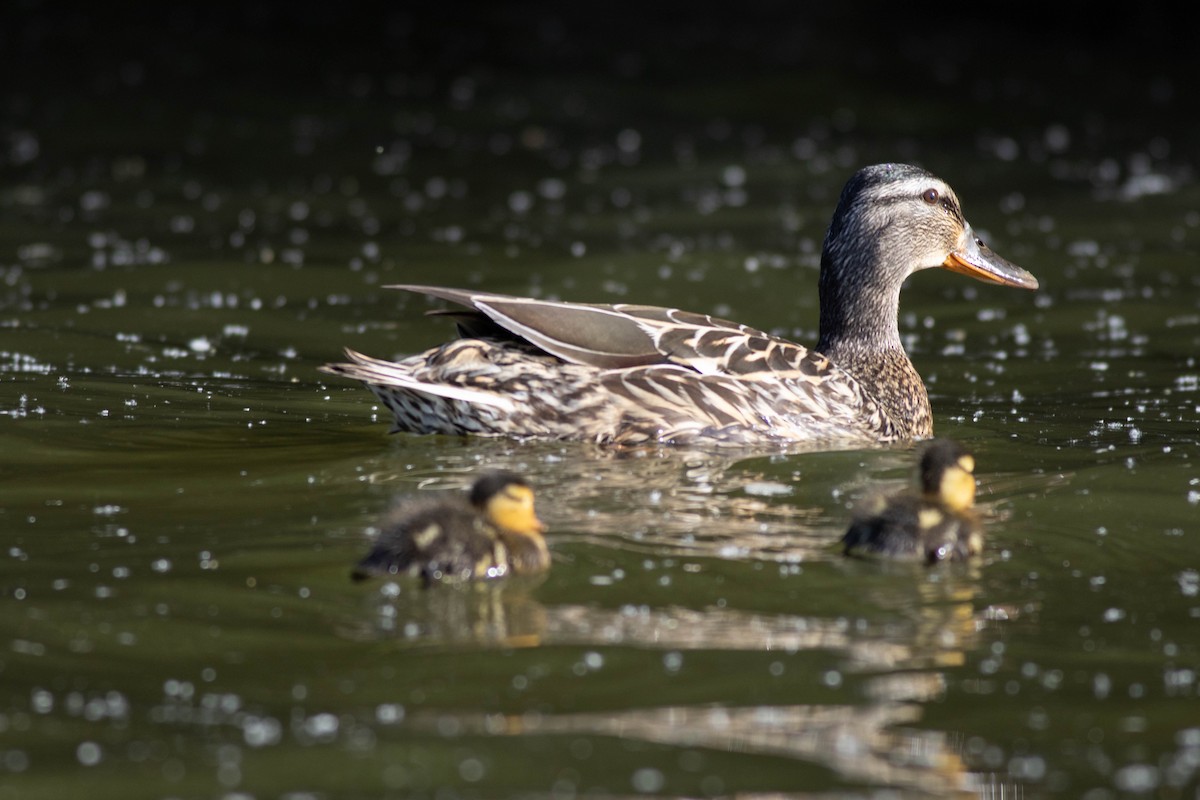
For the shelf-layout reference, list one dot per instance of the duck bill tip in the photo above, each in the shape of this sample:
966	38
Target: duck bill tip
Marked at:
990	268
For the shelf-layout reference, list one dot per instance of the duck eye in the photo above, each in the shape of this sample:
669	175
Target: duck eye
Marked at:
930	196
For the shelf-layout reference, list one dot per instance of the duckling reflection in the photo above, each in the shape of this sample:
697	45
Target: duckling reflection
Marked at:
493	533
936	525
892	663
477	612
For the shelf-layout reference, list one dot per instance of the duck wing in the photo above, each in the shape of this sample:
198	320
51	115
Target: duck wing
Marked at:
624	336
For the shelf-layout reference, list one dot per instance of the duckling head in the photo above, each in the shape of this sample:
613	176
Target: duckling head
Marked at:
893	220
506	501
948	474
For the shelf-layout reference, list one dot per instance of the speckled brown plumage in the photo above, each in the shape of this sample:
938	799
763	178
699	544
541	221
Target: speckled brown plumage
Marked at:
629	374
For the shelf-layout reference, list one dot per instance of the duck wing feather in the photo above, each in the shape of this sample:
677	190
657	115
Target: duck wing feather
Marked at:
625	336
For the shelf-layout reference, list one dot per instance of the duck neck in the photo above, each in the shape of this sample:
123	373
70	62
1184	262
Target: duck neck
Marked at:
860	334
857	322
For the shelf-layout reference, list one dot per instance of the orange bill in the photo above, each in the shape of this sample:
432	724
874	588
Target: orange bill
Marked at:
973	257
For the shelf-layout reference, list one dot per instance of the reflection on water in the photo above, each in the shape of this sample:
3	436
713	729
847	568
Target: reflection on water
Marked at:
936	633
871	743
691	502
874	740
481	612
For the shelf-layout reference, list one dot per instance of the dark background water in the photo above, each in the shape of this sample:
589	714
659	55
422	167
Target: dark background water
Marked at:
199	204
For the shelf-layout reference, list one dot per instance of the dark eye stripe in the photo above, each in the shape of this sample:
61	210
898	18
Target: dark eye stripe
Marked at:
516	495
953	210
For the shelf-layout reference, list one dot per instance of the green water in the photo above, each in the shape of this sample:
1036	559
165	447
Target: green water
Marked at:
182	493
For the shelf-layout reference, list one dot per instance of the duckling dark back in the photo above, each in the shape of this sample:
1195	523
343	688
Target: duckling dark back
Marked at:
913	529
428	538
461	537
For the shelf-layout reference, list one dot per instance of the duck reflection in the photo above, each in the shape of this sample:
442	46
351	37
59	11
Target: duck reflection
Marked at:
900	661
875	744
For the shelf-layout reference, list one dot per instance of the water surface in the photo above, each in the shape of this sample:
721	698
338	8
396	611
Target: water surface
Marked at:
183	493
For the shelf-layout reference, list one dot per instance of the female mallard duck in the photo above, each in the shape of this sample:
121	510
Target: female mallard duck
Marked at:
629	374
937	525
494	533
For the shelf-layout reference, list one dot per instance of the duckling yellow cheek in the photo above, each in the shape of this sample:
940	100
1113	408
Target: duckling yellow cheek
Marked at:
511	515
513	511
511	518
958	489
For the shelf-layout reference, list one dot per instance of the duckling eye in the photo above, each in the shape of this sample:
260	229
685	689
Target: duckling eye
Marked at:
930	196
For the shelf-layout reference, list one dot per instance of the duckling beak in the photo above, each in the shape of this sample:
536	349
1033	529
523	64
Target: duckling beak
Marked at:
973	257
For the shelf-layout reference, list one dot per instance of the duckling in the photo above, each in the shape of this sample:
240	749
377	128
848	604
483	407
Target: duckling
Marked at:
937	525
494	533
631	374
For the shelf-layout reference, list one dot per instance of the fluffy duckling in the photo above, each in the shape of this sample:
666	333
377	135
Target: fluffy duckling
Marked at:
494	533
937	525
